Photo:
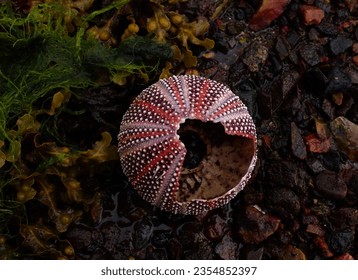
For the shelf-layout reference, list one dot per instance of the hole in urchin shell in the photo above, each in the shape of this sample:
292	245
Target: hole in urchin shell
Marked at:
215	161
195	149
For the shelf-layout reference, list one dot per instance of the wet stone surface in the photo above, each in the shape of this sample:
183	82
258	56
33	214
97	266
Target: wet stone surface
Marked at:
330	185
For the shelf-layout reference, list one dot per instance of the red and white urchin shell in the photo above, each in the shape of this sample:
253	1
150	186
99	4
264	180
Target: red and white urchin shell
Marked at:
153	149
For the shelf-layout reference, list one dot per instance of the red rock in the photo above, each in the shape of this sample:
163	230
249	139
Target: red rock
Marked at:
311	15
267	13
316	145
216	227
315	229
321	243
258	226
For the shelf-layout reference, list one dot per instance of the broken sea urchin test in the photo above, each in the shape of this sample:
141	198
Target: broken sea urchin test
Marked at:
187	144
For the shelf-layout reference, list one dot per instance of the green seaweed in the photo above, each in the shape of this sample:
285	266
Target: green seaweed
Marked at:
39	57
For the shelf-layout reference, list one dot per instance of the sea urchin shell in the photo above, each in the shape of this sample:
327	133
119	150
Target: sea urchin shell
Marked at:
187	144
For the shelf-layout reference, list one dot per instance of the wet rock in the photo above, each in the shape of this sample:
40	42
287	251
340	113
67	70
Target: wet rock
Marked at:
316	144
204	251
284	203
332	160
310	55
321	243
340	241
327	28
322	129
328	108
111	236
337	98
314	36
116	240
227	248
252	197
282	47
291	252
346	135
338	81
315	229
268	12
344	218
251	252
297	144
215	228
315	165
257	226
340	44
80	237
161	237
188	235
287	174
142	232
235	27
311	15
289	80
330	185
255	56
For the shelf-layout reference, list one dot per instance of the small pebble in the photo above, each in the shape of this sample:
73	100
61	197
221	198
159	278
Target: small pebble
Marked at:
340	241
315	165
297	144
321	243
142	233
291	252
257	226
338	81
327	28
284	203
215	228
330	185
345	133
340	44
311	15
310	54
227	248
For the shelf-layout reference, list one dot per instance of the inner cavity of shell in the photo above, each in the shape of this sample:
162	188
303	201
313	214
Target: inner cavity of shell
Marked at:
215	162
